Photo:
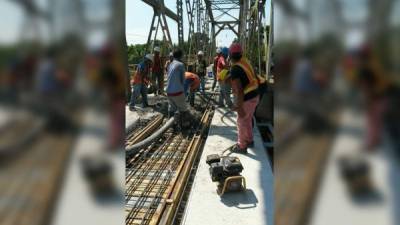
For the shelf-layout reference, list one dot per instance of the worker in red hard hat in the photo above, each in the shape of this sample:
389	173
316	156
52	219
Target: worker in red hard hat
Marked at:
245	88
157	70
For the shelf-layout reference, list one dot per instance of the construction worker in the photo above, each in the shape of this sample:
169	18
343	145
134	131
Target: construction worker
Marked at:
157	78
175	84
201	69
245	88
215	62
140	80
171	58
192	83
222	73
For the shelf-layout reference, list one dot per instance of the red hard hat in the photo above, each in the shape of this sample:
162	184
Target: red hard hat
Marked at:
235	48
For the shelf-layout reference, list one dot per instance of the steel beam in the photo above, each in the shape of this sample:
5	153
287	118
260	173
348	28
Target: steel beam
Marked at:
158	5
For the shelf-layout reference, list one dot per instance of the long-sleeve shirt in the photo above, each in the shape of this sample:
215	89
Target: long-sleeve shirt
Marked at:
176	78
157	67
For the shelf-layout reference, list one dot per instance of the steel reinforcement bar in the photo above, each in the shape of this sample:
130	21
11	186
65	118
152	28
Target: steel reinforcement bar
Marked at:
156	177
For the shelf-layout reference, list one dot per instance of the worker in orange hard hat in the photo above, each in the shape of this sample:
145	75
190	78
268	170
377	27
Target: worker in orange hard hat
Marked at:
245	88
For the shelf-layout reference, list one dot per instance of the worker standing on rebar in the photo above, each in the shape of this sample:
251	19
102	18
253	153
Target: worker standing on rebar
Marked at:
175	84
140	80
158	78
201	69
222	74
245	88
191	85
215	62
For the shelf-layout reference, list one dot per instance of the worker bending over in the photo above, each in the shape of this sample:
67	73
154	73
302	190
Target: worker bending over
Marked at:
158	78
191	85
140	80
201	69
175	84
245	88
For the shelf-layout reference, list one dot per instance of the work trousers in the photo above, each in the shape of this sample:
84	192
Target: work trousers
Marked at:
244	123
203	84
158	82
225	94
177	103
138	89
214	81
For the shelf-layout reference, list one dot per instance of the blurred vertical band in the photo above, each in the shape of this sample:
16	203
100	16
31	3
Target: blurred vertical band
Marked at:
63	75
336	67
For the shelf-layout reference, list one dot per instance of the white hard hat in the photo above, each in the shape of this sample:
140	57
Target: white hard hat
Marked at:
171	54
157	49
149	57
218	50
200	53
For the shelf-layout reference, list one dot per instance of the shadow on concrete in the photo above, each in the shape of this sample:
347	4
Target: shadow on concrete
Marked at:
241	200
394	181
368	198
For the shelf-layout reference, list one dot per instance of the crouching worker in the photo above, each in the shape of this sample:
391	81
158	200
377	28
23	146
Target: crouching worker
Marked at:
175	87
191	86
139	82
245	88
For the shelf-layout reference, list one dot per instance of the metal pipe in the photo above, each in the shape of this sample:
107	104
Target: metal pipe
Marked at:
146	142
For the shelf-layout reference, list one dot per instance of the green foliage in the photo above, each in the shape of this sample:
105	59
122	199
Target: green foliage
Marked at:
135	53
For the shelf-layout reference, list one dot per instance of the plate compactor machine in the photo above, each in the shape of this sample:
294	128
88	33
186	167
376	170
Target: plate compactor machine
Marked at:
226	171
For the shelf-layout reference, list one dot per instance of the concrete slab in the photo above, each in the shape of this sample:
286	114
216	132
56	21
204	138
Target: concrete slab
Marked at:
5	117
131	117
334	205
254	206
76	205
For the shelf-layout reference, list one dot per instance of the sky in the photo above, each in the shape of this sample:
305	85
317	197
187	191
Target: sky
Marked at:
138	21
139	15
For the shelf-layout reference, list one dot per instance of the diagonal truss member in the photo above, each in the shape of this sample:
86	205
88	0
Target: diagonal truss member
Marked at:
160	14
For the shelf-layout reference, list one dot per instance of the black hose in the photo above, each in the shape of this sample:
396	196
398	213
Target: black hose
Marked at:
146	142
224	115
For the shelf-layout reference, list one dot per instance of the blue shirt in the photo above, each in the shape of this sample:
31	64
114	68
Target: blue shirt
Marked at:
176	77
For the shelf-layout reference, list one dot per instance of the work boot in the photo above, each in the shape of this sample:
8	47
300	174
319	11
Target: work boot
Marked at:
250	144
236	149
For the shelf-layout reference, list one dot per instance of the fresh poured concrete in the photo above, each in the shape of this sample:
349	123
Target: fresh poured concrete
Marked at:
255	205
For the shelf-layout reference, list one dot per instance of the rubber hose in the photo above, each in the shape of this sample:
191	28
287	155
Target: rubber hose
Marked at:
146	142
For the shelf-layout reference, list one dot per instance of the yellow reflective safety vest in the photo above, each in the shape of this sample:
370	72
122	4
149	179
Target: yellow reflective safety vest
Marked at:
223	74
251	75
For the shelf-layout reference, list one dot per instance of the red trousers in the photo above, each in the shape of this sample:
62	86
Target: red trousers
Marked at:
244	123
